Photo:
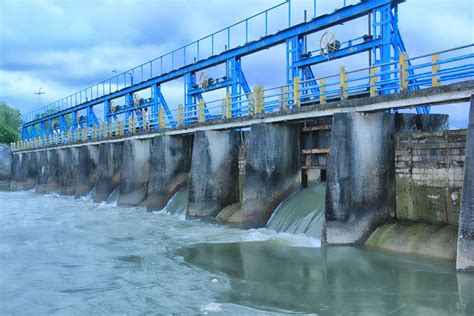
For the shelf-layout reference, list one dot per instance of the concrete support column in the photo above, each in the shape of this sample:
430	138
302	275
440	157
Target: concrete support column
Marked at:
214	180
54	169
28	171
88	157
5	166
16	164
360	191
272	171
135	172
43	172
170	163
68	170
108	170
465	253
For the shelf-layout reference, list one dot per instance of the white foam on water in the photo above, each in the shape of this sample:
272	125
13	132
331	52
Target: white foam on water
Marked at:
211	307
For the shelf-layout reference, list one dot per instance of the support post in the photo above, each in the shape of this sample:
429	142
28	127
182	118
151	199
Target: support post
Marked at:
435	68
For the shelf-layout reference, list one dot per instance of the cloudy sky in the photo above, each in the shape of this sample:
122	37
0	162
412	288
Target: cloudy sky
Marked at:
64	46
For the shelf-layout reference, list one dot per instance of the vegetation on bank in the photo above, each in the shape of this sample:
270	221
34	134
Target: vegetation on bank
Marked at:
10	122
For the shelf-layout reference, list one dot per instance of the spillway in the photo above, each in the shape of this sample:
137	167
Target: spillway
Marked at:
301	213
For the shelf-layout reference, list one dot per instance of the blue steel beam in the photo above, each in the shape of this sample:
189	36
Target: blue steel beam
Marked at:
322	22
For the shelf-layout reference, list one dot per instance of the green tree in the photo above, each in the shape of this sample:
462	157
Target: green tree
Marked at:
10	117
7	135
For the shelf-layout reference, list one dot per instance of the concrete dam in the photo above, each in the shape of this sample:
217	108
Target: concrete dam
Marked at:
389	181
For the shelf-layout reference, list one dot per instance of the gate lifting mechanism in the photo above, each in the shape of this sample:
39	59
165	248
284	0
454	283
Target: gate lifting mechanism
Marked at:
383	42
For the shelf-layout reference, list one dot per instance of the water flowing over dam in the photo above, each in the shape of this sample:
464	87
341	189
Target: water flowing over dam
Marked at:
301	213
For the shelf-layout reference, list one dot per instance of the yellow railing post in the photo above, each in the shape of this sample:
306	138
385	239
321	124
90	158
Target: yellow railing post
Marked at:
296	91
201	111
122	128
435	68
284	98
227	106
260	99
180	115
251	103
343	80
373	81
322	91
403	71
161	118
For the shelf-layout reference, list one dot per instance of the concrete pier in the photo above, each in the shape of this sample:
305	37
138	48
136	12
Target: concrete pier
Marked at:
88	157
170	163
214	173
5	166
109	168
16	162
360	188
28	171
465	253
272	171
54	171
68	170
135	172
43	172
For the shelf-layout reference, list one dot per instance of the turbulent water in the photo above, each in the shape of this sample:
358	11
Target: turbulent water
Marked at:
301	213
64	256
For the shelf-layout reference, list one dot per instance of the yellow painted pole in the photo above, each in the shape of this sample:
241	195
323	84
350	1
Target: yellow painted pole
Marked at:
343	80
296	91
261	97
228	107
180	115
161	118
322	91
373	81
284	98
201	117
403	71
252	103
435	68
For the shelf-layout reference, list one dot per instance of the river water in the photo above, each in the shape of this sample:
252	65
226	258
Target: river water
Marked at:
64	256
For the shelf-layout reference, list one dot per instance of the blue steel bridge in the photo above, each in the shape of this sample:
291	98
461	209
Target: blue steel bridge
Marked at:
417	81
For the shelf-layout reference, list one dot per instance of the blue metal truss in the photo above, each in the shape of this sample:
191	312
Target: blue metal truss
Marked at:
385	31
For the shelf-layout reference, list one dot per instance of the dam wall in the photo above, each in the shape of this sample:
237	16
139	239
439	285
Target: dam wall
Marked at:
170	163
393	181
68	168
109	168
135	172
273	171
43	171
88	158
429	175
5	166
360	191
465	251
214	176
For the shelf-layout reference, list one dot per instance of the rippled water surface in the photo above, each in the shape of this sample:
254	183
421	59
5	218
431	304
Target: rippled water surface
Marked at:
65	256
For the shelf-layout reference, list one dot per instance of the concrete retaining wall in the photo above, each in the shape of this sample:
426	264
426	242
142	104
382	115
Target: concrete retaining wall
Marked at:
88	157
272	171
360	187
170	163
135	172
109	168
465	257
214	173
429	173
5	166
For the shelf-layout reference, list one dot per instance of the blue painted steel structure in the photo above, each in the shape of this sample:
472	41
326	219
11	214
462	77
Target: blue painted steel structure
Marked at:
385	44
